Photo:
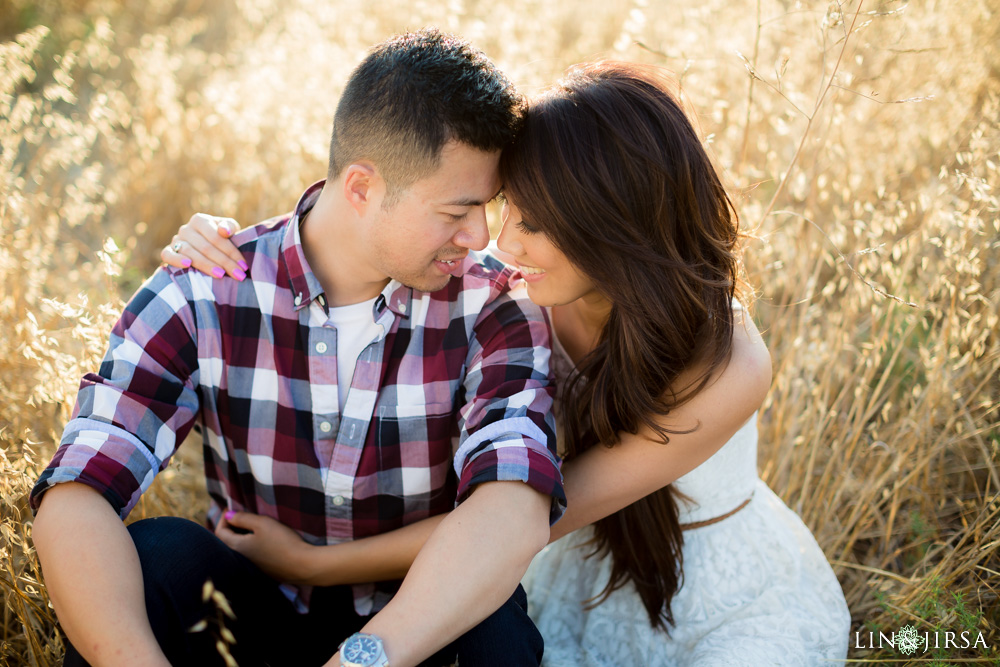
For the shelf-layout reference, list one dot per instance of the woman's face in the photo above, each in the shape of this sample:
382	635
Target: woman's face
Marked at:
551	278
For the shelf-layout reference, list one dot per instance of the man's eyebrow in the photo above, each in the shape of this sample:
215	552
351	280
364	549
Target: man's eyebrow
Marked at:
474	202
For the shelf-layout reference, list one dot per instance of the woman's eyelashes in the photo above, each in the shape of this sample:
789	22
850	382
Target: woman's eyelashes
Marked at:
521	225
525	227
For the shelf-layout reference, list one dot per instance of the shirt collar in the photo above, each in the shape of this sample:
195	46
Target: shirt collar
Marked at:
304	284
397	297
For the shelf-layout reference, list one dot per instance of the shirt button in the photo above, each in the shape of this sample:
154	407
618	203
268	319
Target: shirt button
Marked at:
338	500
402	307
321	348
326	427
298	299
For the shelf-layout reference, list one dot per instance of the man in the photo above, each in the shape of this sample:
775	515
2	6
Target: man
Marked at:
330	387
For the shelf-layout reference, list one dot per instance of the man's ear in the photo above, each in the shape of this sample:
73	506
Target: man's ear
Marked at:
363	187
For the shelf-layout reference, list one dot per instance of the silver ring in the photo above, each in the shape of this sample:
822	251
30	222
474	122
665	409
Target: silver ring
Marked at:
177	246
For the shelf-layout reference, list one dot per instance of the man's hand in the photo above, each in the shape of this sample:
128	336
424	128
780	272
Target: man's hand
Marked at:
272	546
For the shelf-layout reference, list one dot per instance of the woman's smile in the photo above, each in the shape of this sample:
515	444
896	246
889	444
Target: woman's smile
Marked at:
531	273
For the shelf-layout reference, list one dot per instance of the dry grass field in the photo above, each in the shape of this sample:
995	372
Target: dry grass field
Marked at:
860	139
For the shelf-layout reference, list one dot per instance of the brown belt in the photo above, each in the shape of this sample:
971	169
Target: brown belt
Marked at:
716	519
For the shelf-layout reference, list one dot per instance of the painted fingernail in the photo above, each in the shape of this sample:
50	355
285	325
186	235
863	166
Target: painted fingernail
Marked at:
229	515
218	272
243	265
239	275
186	262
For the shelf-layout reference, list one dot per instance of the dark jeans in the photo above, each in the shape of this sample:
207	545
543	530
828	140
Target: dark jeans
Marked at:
178	556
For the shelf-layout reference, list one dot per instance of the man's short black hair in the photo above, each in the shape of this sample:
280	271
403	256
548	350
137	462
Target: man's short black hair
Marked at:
411	95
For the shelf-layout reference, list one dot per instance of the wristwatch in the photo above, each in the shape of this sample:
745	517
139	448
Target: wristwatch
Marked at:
363	650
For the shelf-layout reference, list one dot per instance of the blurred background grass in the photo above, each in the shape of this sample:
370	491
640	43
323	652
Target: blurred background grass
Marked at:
861	141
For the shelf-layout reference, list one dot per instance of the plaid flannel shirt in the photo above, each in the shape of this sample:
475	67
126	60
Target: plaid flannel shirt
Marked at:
454	392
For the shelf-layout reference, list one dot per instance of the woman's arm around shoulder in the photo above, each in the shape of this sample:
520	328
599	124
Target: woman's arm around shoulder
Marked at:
603	480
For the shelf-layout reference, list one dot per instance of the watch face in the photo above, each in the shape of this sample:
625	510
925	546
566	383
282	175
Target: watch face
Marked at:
361	649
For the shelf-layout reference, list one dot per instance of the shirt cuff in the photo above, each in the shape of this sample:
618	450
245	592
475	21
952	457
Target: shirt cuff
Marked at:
517	460
104	460
51	478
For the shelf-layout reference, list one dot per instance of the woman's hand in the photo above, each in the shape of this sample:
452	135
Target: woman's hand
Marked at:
281	553
204	244
272	546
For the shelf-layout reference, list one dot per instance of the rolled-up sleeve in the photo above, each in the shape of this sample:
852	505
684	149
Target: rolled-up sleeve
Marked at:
131	415
507	430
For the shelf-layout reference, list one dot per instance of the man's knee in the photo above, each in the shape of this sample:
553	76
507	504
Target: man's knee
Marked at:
178	557
167	532
174	551
513	611
506	637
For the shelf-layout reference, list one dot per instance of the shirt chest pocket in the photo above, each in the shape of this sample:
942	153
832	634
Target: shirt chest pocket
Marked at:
414	449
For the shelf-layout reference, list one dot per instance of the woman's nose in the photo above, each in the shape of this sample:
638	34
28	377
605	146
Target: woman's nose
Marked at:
508	240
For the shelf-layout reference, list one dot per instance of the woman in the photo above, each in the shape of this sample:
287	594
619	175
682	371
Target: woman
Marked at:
681	554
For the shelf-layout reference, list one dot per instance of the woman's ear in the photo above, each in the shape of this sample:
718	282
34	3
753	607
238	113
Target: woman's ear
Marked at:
363	187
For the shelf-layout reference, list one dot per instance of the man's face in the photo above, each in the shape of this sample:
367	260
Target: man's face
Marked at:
421	239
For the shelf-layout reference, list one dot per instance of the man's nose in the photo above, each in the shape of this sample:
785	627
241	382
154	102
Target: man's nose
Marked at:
475	233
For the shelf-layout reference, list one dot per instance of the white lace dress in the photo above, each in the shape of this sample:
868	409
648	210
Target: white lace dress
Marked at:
757	589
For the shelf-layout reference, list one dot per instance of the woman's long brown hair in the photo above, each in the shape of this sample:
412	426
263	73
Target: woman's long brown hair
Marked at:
611	170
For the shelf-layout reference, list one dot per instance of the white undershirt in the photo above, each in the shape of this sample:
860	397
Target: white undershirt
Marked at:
355	330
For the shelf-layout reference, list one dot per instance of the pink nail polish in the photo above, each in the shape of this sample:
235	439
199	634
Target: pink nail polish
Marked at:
186	262
218	272
243	265
239	275
229	515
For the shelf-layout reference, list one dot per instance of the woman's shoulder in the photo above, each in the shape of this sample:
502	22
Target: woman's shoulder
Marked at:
749	353
747	375
737	387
